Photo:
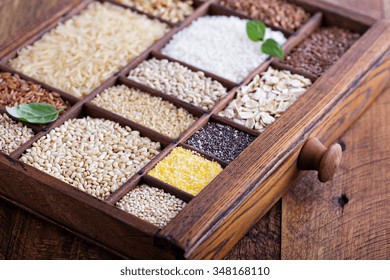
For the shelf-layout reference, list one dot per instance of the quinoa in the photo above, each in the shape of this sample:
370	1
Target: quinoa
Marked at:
152	205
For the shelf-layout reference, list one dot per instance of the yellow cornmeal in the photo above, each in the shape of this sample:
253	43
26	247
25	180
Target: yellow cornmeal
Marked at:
186	170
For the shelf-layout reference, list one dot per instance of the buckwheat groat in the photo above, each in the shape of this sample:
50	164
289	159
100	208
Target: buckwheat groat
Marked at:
278	13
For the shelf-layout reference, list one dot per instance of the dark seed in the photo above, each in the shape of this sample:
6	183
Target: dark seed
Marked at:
321	50
221	141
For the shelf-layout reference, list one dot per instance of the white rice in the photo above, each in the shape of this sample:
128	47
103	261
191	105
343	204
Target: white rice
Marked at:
220	45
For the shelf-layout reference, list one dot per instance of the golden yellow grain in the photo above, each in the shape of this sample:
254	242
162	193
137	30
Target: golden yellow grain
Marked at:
186	170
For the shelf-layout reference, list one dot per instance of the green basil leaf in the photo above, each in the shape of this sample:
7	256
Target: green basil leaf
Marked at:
255	30
272	48
13	112
35	113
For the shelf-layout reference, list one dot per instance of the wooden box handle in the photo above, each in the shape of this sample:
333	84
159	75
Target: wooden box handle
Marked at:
315	156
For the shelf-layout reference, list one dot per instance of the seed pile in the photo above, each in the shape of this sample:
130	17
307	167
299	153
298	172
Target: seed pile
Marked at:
174	11
12	134
186	170
151	204
152	112
79	54
15	91
220	45
265	98
278	13
93	155
221	141
321	50
176	79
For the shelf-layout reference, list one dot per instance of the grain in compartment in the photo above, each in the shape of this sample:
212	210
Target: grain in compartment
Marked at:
13	134
150	111
15	90
175	79
258	104
214	43
186	170
323	48
220	141
278	13
151	204
81	53
174	11
94	155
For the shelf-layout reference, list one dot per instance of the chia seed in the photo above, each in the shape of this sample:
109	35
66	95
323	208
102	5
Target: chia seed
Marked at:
221	141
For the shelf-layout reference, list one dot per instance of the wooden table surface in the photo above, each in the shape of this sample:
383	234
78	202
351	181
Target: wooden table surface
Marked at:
348	218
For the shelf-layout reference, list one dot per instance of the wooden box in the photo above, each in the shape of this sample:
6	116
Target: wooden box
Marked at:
214	220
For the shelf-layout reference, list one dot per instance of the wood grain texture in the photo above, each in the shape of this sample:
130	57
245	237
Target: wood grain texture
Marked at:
263	241
21	17
328	109
386	8
370	8
24	236
349	217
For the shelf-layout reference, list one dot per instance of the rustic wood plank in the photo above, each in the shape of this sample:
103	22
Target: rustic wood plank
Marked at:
23	236
253	247
88	216
249	254
385	9
349	217
7	221
20	19
370	8
277	146
263	241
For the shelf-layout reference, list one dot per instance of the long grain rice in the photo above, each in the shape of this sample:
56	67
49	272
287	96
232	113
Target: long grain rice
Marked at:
79	54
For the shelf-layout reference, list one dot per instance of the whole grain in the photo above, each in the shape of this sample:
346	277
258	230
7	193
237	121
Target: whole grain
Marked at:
94	155
81	53
12	134
220	45
258	104
278	13
15	91
151	204
174	11
150	111
176	79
